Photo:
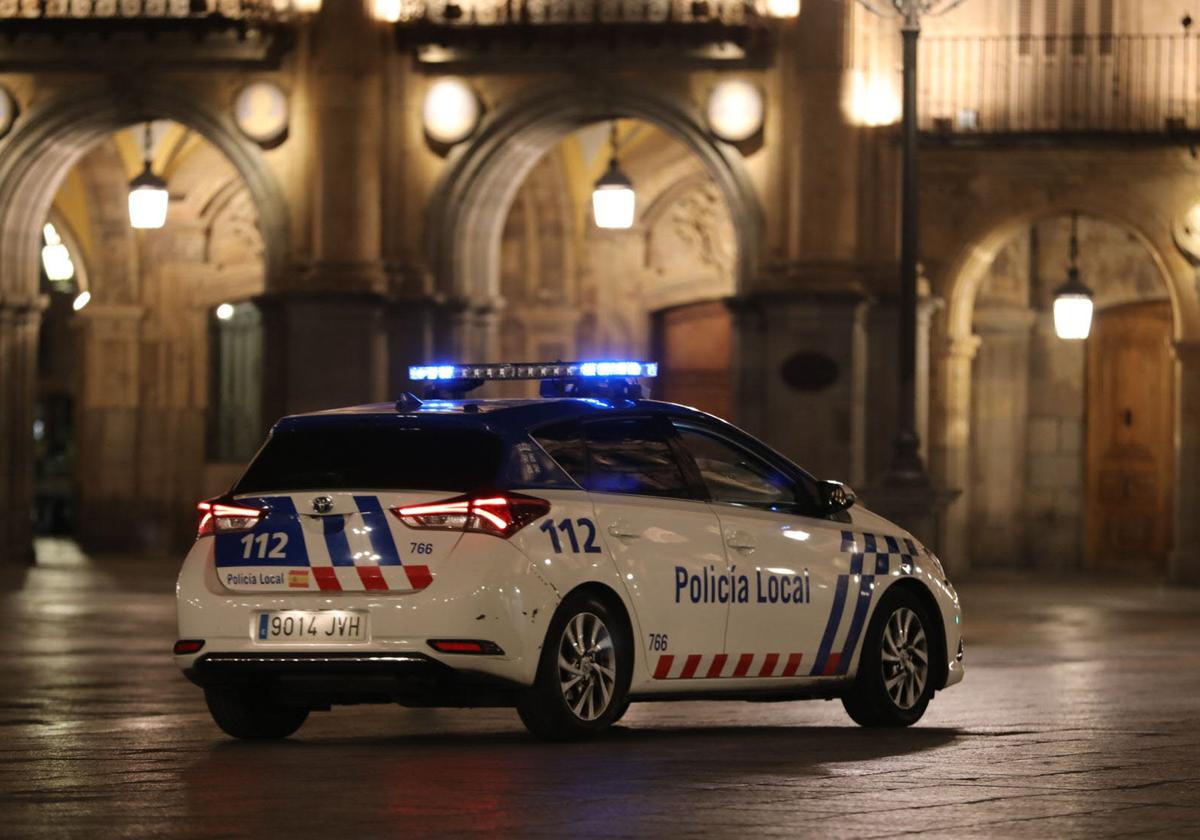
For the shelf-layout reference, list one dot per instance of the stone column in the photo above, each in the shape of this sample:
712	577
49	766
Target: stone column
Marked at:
107	424
998	435
1184	560
346	83
18	379
322	351
468	332
819	337
410	325
949	455
748	375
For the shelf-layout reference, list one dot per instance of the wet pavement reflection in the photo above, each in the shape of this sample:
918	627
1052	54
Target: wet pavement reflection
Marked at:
1080	716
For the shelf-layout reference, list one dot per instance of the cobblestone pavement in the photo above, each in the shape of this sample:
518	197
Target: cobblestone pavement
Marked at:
1080	716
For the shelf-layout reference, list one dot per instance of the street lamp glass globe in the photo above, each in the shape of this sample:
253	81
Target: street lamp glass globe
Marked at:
782	8
735	110
450	111
613	206
147	201
1073	315
81	300
225	311
56	259
307	7
387	10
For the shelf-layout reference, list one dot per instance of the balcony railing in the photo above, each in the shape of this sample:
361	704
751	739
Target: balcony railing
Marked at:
1134	84
70	34
566	12
507	31
83	10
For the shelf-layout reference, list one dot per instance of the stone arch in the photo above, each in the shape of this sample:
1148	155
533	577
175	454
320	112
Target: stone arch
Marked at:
34	159
968	267
962	277
48	140
467	210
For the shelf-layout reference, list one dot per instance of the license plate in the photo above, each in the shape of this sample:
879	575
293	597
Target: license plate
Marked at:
312	626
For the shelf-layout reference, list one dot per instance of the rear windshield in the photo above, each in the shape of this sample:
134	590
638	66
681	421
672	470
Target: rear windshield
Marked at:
373	458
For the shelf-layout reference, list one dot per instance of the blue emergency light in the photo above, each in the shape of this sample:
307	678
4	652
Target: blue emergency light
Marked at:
612	379
530	370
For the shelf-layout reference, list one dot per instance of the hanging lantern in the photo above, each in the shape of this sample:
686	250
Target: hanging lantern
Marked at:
56	259
147	195
1073	299
613	198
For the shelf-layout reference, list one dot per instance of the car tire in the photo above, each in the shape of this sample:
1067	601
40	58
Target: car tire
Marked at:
243	712
894	685
583	675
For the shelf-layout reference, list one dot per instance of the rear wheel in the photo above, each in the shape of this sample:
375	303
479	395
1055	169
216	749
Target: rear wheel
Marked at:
243	712
893	686
583	675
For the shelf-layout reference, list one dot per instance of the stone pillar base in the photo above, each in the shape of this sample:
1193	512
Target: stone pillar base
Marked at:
800	371
1184	567
18	376
322	351
917	506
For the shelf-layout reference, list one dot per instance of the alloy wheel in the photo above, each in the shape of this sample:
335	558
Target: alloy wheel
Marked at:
587	666
905	658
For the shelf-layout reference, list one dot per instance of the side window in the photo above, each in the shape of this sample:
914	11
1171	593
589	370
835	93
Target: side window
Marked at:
632	456
564	443
734	476
530	466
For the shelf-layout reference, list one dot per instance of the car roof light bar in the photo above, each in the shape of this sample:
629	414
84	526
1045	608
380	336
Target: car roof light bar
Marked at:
609	379
531	370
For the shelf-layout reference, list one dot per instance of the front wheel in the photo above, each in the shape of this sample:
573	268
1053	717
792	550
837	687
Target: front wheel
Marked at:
893	686
583	675
243	712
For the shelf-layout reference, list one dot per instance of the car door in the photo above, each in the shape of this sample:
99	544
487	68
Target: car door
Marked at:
666	544
788	564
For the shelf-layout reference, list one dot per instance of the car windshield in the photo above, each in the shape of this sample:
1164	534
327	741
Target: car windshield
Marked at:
364	457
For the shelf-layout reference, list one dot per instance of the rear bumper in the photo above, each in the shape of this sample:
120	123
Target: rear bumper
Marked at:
323	679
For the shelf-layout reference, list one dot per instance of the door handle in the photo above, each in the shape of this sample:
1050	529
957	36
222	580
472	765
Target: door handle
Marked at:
739	541
623	531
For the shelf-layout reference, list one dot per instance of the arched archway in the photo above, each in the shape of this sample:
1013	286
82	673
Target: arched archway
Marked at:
468	209
34	159
985	338
967	269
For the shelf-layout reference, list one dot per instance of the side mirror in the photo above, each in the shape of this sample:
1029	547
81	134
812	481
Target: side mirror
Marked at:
835	496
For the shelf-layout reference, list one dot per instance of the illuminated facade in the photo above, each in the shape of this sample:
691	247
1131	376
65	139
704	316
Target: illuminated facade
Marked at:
376	184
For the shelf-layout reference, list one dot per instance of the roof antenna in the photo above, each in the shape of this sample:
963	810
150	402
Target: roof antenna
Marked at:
408	402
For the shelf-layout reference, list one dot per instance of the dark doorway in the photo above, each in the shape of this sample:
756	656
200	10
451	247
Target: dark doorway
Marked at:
1130	421
692	345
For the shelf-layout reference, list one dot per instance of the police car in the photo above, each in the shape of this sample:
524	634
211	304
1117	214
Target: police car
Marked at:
565	556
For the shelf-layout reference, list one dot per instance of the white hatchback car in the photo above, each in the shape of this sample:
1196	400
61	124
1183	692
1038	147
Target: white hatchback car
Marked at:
565	555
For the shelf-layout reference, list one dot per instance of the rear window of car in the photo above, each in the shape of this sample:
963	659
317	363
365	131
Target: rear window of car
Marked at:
374	458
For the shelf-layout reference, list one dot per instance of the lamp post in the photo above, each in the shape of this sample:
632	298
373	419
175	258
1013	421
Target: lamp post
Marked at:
907	466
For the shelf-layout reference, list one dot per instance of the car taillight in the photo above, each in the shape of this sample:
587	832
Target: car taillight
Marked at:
221	518
499	515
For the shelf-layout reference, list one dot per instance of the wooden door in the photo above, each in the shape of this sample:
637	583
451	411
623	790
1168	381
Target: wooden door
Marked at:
692	344
1130	421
